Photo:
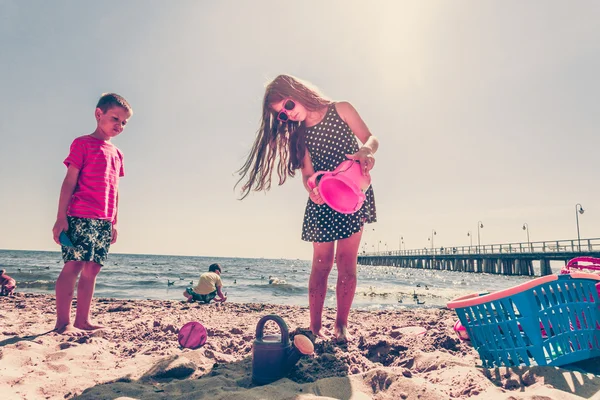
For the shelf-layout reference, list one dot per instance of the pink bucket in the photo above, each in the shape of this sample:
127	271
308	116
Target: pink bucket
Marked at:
342	189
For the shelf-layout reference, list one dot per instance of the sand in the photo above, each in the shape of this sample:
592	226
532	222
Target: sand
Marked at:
138	357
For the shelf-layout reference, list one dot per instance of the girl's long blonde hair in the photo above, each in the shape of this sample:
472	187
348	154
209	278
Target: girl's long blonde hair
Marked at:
276	139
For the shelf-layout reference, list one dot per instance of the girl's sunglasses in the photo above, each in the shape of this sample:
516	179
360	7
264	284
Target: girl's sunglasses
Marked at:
287	106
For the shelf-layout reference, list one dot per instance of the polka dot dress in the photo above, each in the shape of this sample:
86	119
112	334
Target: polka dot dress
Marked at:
328	142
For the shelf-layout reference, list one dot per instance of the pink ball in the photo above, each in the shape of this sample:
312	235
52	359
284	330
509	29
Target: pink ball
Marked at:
192	335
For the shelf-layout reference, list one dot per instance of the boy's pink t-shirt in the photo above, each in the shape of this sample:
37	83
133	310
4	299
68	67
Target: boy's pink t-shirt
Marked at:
100	165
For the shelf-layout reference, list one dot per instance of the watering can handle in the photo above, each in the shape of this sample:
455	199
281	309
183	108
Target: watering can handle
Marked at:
312	181
282	327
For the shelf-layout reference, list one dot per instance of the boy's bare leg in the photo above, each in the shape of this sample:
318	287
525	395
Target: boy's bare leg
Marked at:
188	296
347	251
322	264
65	286
85	293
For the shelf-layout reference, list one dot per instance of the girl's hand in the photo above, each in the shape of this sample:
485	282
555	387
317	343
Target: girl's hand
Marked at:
365	156
315	196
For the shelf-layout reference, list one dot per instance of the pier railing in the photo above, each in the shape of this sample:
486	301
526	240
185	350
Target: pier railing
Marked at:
553	247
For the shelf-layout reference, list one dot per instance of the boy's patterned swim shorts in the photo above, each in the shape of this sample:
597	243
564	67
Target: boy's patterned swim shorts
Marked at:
205	298
91	240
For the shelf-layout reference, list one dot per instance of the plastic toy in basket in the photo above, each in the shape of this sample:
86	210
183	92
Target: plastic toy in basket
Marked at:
583	263
552	320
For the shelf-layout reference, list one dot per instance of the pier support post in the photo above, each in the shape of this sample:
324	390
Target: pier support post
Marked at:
545	267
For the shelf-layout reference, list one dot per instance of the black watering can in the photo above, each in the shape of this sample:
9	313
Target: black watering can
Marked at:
274	355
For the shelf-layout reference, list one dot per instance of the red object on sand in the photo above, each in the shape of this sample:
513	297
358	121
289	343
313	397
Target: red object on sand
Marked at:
192	335
461	331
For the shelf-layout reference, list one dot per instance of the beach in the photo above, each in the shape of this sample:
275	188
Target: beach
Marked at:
138	356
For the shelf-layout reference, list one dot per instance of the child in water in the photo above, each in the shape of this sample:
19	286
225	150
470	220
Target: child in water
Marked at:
309	132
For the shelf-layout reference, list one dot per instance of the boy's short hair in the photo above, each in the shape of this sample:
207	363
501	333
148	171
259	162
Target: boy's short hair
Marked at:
2	271
110	100
214	267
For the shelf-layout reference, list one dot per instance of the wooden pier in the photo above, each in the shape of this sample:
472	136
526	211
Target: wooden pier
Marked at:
505	259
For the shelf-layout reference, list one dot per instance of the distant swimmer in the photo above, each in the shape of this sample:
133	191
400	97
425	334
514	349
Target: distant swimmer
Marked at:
169	283
276	281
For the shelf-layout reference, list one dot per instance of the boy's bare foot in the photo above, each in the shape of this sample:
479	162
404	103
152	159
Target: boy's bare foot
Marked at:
341	335
88	326
322	333
68	330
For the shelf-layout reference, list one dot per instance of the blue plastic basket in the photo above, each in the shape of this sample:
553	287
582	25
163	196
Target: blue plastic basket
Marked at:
552	320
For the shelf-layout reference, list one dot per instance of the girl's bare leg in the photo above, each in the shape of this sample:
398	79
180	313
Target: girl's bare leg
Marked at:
346	257
322	264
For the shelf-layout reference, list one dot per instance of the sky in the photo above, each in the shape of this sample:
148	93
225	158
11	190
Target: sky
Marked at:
485	111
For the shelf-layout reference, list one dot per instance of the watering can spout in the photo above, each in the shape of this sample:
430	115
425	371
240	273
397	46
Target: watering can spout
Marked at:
274	355
302	346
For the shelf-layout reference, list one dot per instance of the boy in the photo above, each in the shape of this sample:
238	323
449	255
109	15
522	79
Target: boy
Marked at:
209	286
7	284
87	212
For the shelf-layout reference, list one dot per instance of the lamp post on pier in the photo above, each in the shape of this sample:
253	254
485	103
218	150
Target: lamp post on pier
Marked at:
578	211
433	233
526	228
470	237
479	225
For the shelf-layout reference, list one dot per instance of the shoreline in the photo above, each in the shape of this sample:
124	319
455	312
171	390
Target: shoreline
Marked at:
138	356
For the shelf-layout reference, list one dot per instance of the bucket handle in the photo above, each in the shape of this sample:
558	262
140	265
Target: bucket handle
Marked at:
285	338
312	181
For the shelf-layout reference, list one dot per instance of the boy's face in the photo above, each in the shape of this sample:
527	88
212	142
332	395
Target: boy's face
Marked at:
112	123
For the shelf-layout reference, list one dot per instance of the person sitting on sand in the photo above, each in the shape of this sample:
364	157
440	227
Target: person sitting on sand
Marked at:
7	284
209	287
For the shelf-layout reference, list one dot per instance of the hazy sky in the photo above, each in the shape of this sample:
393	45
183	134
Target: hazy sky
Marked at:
485	110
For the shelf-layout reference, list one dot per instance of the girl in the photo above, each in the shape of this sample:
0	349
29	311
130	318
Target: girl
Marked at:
306	131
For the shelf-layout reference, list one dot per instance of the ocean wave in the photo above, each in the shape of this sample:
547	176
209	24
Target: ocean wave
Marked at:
280	287
37	284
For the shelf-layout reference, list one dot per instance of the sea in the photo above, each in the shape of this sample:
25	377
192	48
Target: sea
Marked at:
246	280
